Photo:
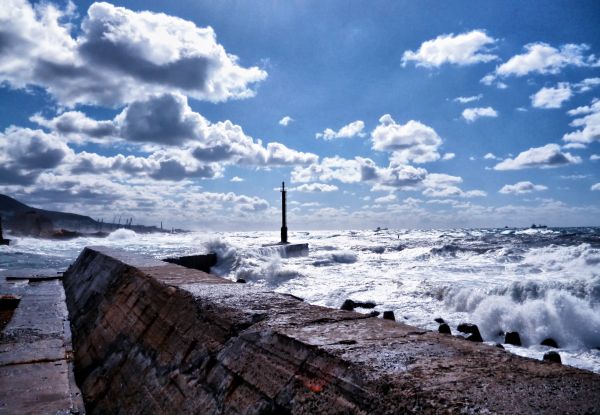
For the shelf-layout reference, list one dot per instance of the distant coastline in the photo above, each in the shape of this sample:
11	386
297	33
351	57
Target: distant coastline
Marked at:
20	219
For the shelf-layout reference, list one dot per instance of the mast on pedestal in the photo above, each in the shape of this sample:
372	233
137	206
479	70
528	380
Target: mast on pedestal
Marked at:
284	235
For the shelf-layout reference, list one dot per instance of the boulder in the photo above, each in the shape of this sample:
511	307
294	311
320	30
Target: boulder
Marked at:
472	330
444	329
552	357
389	315
350	305
499	346
550	342
512	337
241	281
439	320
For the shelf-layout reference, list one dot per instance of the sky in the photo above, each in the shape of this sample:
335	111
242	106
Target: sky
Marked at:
402	114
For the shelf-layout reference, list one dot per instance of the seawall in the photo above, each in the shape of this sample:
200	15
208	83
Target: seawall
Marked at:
154	337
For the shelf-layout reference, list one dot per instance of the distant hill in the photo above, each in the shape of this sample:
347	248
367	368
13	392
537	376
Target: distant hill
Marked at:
10	208
15	213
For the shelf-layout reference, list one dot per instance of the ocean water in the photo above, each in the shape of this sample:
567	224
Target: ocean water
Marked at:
540	282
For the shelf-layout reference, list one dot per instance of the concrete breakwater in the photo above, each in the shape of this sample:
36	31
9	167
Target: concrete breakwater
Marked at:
155	337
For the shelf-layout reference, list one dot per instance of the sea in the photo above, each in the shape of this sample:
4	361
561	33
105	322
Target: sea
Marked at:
542	283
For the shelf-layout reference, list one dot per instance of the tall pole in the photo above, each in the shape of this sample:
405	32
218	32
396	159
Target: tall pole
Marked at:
284	235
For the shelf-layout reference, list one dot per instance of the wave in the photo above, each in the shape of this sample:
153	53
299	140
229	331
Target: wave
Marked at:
121	234
336	257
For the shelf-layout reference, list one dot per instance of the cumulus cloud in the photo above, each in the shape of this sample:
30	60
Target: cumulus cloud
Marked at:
589	124
552	97
168	120
448	156
595	186
285	121
587	84
542	58
521	188
490	156
315	188
118	56
463	49
353	129
236	179
548	156
26	153
595	157
466	100
472	114
412	141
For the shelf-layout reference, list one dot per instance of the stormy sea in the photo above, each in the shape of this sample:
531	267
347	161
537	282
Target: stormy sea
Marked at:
543	283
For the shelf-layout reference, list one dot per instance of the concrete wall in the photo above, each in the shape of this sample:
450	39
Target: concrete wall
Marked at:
153	337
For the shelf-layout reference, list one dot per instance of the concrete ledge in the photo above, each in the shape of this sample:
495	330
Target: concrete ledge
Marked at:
153	337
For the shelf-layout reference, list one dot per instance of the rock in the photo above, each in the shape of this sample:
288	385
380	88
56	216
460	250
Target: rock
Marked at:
552	357
471	329
389	315
439	320
444	329
350	305
512	337
499	346
550	342
241	281
374	313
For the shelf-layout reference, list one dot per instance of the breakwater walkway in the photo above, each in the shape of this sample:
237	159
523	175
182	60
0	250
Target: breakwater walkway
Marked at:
154	337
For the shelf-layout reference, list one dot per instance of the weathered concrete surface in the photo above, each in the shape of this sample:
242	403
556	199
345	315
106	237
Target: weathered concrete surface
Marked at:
152	337
36	373
202	262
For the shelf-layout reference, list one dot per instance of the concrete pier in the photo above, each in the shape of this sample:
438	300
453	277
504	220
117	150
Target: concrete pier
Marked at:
36	357
154	337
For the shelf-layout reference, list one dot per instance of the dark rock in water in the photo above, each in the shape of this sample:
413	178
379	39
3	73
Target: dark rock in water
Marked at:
512	337
444	329
389	315
439	320
350	305
552	357
499	346
471	329
241	281
550	342
374	313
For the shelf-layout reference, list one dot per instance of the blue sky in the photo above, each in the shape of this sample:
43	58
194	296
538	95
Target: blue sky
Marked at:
400	114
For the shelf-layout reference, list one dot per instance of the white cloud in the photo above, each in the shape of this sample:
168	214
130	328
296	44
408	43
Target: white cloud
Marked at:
118	56
587	84
412	141
448	156
168	120
353	129
386	199
466	100
589	124
547	156
595	186
545	59
236	179
472	114
575	176
490	156
521	188
285	121
463	49
552	97
595	157
315	188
